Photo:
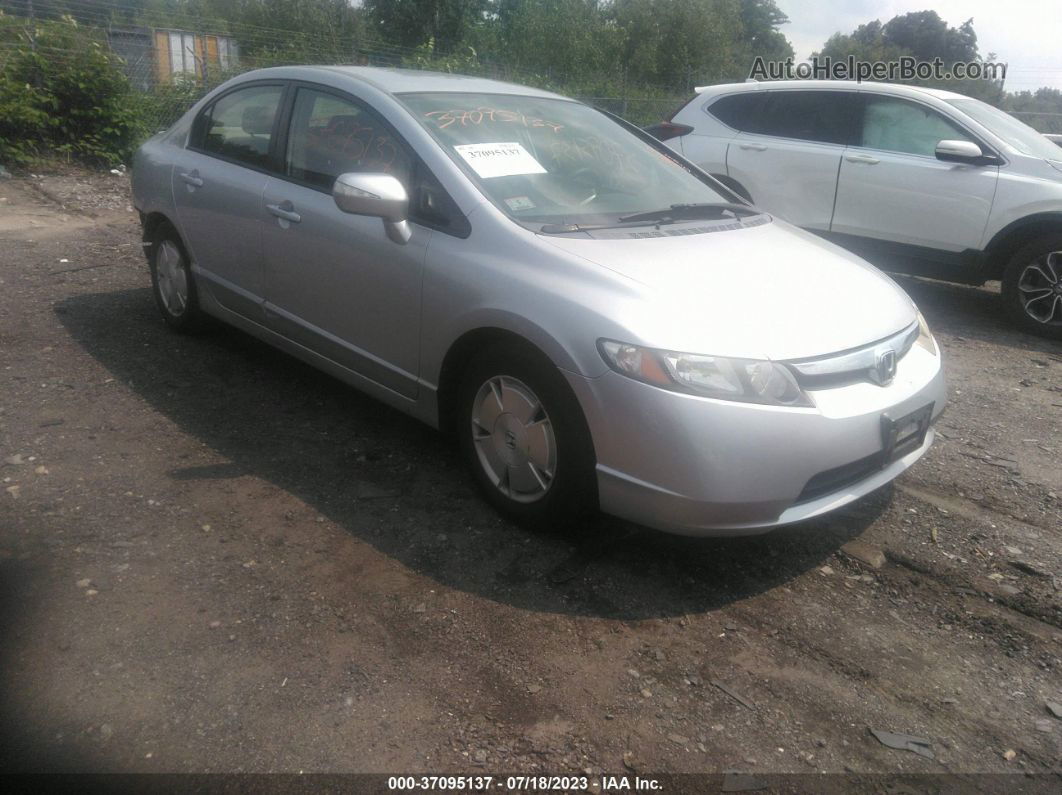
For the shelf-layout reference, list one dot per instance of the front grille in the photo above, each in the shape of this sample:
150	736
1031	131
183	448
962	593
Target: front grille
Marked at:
837	478
847	367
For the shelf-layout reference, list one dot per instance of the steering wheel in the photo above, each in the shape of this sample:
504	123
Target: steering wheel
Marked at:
585	177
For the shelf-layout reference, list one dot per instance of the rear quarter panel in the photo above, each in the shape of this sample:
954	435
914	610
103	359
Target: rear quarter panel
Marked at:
707	144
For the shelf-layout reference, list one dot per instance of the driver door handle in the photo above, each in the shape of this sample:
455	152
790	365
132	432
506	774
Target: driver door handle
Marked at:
192	178
866	159
754	147
285	210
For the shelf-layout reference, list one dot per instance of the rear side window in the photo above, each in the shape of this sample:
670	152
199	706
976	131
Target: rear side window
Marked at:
239	126
822	116
897	125
739	111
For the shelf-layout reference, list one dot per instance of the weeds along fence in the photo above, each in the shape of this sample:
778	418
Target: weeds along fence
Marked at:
171	62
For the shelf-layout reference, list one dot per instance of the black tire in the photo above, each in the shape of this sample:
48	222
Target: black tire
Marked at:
1016	275
187	317
572	491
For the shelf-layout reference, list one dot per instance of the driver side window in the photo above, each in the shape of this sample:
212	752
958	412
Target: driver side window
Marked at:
896	125
330	136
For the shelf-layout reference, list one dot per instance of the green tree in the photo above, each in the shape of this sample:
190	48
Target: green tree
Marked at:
444	24
922	35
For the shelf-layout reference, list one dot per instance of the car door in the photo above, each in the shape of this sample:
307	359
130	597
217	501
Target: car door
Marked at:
218	181
893	188
335	282
789	150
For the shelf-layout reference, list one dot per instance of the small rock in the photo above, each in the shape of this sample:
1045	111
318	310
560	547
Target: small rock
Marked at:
820	743
631	762
41	470
659	655
85	583
106	730
13	490
646	692
215	624
827	570
1013	551
864	553
91	592
1054	708
480	757
533	689
1009	754
678	739
14	460
1045	725
1009	590
633	673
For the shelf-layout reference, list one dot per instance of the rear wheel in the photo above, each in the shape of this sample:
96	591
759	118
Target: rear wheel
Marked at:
524	437
172	281
1032	287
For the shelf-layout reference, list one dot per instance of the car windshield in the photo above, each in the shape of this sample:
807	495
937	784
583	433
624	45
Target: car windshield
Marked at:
1020	136
554	161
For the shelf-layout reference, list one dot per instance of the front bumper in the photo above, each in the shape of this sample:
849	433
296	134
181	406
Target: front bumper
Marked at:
699	466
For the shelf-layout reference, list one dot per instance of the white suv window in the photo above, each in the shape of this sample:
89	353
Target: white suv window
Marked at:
896	125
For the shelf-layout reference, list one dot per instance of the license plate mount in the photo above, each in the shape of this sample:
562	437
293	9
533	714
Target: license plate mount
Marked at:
900	435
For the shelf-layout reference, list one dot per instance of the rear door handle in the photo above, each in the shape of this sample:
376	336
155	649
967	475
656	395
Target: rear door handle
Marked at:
866	159
285	210
192	178
754	147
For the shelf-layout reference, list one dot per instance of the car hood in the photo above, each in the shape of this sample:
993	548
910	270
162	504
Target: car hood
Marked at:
767	292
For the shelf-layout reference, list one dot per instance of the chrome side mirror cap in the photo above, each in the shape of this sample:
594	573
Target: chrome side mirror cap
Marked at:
959	151
376	195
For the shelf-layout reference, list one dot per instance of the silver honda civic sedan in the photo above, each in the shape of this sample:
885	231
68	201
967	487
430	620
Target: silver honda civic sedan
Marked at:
600	323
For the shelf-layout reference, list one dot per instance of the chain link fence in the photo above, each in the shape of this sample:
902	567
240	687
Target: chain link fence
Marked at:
1043	122
173	62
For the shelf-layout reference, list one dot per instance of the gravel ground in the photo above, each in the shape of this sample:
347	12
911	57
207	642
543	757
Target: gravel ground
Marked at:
213	558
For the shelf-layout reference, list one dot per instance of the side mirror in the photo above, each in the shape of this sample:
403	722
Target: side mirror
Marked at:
377	195
960	152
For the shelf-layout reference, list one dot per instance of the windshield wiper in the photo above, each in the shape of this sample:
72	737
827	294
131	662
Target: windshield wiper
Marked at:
671	215
680	212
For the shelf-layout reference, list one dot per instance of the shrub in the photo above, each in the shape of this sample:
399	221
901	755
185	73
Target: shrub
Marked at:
61	88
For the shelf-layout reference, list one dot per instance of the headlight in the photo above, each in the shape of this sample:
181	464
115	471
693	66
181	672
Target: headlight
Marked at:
925	338
745	380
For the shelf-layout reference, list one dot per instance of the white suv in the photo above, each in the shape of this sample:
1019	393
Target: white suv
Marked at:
917	180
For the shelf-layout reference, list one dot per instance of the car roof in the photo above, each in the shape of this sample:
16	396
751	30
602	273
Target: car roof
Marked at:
837	85
400	81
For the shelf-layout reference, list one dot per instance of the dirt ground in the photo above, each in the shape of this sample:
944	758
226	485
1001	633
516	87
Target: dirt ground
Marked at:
214	558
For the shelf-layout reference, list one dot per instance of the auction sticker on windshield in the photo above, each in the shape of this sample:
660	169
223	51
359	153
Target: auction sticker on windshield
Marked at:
499	160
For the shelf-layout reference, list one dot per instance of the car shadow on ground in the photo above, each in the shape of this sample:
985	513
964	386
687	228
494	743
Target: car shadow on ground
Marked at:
400	486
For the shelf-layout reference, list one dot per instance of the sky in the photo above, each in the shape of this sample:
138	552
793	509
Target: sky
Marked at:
1024	34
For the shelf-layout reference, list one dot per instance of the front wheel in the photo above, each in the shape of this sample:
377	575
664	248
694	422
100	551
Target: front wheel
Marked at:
524	437
1032	287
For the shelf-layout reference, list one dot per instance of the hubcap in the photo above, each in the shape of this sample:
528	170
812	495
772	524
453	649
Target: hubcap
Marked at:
514	439
1040	289
173	279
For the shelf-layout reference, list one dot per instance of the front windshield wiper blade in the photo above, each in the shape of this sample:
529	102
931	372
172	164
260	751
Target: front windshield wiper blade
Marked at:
678	212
